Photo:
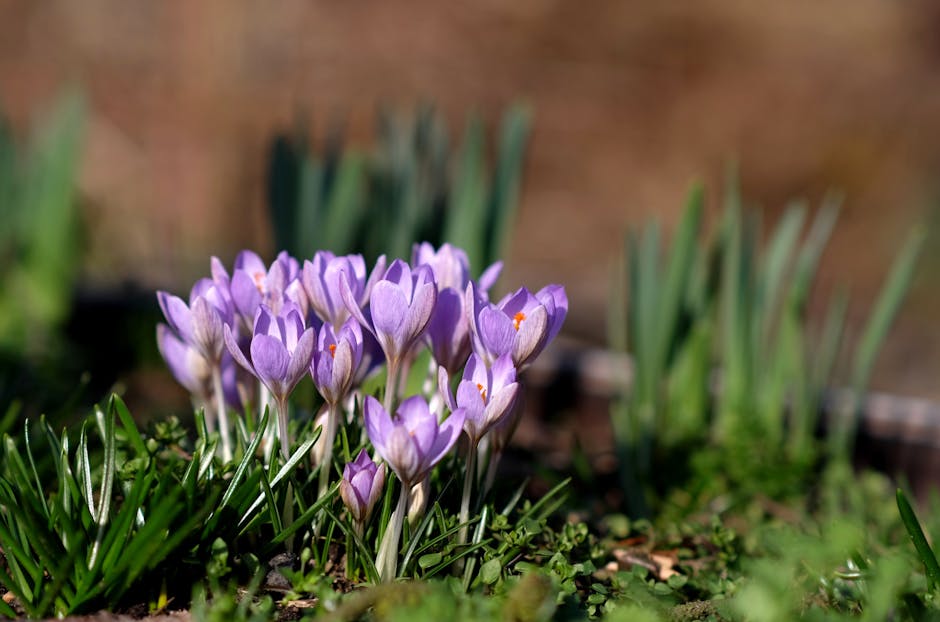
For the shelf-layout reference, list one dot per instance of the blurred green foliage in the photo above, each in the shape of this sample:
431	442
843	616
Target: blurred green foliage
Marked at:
730	370
411	186
39	241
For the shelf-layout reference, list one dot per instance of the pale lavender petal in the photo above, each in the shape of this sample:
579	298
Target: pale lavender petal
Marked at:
177	315
250	262
399	273
233	348
447	436
188	367
415	416
300	357
245	294
531	336
489	277
503	372
207	329
403	456
271	361
501	403
560	299
352	306
497	332
419	313
378	423
443	386
378	272
470	399
389	309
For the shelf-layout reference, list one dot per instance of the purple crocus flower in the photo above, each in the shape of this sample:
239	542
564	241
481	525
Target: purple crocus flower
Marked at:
521	324
336	359
400	307
451	267
362	485
200	322
321	282
449	329
280	352
486	394
253	284
413	442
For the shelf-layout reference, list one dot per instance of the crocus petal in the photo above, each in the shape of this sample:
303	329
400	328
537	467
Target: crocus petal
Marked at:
443	386
421	425
188	367
500	404
402	455
378	423
177	315
531	336
447	436
300	357
271	360
378	272
419	313
399	273
245	294
560	300
489	277
497	333
207	329
233	348
503	372
352	306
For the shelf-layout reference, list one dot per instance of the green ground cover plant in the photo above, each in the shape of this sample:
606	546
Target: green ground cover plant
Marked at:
351	419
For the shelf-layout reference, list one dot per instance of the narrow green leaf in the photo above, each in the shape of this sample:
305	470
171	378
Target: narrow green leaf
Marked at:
129	425
914	530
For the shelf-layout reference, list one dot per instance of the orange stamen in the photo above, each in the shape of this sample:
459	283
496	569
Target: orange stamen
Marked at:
517	320
333	350
482	391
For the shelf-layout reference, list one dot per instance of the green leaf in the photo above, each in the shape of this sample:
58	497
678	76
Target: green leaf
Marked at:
914	530
490	571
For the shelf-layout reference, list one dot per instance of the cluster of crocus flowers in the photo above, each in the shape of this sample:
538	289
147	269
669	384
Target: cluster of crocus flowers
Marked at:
333	320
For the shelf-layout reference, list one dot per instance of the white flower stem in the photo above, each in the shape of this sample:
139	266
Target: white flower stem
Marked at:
387	561
221	413
391	386
329	436
467	491
282	428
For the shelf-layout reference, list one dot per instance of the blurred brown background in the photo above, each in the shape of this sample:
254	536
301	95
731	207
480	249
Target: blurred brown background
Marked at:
632	101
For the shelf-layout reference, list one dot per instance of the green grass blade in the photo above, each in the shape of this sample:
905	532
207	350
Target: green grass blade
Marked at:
914	530
128	424
886	308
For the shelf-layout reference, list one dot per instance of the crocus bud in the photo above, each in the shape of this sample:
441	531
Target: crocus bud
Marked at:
414	441
486	394
280	350
336	359
400	307
521	324
254	284
362	485
321	281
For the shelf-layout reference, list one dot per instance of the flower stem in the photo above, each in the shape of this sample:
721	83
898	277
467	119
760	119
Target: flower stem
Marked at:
391	386
387	561
282	427
329	436
467	490
221	413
